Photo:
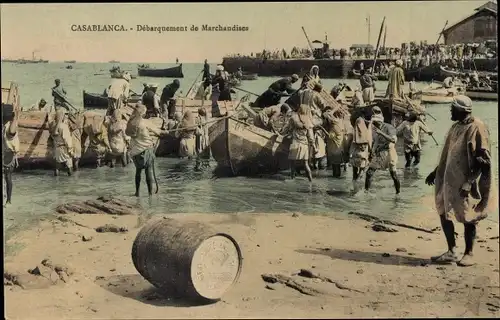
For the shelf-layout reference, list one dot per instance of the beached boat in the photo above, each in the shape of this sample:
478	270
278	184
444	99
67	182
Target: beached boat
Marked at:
355	74
99	101
242	148
174	72
483	93
446	72
437	94
36	146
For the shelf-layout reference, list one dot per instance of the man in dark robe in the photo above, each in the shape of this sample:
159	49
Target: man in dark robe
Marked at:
168	93
272	96
206	70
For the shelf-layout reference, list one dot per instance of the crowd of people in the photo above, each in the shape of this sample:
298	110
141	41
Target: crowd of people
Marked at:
414	54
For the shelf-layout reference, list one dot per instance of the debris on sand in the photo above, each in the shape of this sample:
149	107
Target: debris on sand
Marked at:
103	205
42	276
111	228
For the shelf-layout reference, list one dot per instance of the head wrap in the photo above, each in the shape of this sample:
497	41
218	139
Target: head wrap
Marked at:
377	117
462	103
295	77
220	68
126	76
399	62
153	85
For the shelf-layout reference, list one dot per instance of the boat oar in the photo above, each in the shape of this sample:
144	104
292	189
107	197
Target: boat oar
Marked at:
192	85
437	144
246	91
430	115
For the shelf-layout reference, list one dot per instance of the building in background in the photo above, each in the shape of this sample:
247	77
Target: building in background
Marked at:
478	27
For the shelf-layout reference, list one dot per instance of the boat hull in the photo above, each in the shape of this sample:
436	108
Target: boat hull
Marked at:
241	148
96	101
174	72
482	95
250	76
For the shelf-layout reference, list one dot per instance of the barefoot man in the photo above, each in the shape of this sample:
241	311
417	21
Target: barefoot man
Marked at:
463	180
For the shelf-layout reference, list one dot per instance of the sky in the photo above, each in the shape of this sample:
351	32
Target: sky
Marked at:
46	28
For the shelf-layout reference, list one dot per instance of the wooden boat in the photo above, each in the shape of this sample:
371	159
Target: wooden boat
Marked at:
355	74
437	94
428	73
70	61
483	93
36	146
99	101
242	148
445	73
250	76
118	74
174	72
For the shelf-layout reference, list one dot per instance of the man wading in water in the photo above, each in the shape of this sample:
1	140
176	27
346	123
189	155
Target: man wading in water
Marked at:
142	147
10	148
384	155
410	130
63	143
463	180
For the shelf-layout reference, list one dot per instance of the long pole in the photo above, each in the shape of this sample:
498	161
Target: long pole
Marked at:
385	36
441	33
308	41
369	29
378	44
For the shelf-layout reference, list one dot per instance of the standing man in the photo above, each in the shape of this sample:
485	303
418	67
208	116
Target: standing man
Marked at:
410	130
367	87
463	180
152	101
118	93
384	155
168	93
395	87
59	94
10	148
206	71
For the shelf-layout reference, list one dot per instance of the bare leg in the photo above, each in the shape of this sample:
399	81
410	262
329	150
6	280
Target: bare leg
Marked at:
397	184
292	169
369	177
123	160
56	169
149	179
69	168
470	236
449	233
76	164
137	181
113	162
308	170
8	182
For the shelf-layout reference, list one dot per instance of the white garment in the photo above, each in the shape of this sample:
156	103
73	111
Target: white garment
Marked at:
119	88
10	143
63	145
143	139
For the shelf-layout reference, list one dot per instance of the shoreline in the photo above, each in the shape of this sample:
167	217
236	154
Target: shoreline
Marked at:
390	269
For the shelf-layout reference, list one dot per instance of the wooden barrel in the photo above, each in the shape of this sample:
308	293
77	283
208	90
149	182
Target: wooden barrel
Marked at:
187	259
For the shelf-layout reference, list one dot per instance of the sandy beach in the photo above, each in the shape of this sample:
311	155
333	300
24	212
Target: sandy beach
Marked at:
377	274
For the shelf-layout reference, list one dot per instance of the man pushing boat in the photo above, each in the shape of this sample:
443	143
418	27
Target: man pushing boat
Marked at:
272	96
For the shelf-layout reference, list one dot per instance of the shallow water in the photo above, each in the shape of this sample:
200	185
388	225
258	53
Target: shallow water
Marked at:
181	190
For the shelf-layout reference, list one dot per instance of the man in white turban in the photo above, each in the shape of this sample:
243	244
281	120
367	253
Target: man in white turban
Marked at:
118	92
463	180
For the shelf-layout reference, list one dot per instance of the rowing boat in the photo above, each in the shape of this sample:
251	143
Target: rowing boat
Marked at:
483	93
446	72
437	94
250	76
242	148
173	72
99	101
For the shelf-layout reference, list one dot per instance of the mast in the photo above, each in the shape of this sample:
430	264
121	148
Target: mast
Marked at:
441	33
385	37
368	21
378	44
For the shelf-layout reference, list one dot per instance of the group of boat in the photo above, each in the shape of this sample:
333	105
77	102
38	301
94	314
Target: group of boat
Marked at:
236	144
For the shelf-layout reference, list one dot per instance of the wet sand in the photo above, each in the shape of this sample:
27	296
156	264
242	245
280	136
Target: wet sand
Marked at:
390	271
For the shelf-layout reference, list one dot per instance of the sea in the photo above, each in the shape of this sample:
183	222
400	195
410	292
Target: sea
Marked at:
183	190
